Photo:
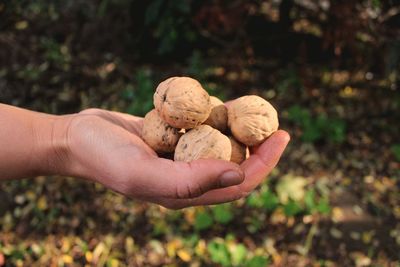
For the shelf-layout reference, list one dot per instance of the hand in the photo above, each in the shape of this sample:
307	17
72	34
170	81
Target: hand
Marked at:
106	147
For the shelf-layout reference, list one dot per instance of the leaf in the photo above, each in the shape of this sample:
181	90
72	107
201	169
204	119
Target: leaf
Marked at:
311	132
269	200
335	130
291	208
258	261
184	255
291	187
396	151
238	254
299	115
219	253
153	11
222	213
323	206
203	221
309	200
21	25
254	200
42	203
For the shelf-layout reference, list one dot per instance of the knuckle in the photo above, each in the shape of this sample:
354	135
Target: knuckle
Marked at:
188	190
91	111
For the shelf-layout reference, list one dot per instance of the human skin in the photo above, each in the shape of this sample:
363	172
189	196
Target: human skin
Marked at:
105	147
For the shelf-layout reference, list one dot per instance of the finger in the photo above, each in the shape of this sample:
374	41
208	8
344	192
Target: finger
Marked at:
255	168
181	180
264	159
216	196
132	123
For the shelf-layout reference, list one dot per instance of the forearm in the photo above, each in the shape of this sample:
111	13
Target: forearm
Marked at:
31	143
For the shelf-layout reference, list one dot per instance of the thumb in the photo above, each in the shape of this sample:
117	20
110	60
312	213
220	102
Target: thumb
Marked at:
182	180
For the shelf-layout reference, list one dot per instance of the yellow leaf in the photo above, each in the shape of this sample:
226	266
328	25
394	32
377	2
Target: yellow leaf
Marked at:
30	195
367	236
42	203
277	259
184	255
21	25
337	214
89	256
396	212
114	263
67	259
172	246
129	245
201	248
99	249
190	215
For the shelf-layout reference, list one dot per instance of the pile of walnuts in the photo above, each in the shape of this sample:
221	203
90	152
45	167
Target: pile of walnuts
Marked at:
191	124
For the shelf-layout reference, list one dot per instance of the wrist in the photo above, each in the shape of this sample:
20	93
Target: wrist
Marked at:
52	155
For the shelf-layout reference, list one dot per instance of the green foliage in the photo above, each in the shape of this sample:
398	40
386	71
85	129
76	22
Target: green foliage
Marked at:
292	195
203	221
396	151
289	80
169	19
258	261
292	208
319	127
140	95
223	213
56	53
323	206
219	253
227	252
269	200
376	3
197	68
31	72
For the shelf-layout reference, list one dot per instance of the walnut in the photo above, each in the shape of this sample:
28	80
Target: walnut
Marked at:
252	119
182	102
158	134
240	152
218	118
203	142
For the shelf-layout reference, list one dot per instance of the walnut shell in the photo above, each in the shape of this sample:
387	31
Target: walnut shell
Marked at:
218	118
182	102
203	142
158	134
240	152
252	119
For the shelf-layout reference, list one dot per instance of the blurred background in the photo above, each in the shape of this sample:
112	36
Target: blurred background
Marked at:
331	68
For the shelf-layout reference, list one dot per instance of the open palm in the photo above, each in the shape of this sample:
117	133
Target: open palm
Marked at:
106	147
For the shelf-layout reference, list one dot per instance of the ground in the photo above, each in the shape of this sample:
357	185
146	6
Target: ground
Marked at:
333	200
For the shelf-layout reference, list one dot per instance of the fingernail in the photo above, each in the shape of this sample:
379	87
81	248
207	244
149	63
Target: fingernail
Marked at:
231	178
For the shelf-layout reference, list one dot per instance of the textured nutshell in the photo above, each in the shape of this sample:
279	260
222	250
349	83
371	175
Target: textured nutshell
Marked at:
203	142
158	134
252	119
182	102
218	118
240	152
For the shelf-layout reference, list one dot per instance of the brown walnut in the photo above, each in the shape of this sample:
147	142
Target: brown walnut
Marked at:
158	134
252	119
240	152
182	102
218	118
203	142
